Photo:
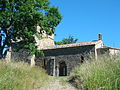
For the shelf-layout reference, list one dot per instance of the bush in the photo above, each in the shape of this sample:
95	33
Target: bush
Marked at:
101	74
20	76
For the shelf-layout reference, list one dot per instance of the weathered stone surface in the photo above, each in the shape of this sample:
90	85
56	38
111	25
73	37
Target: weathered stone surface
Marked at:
21	55
45	40
71	57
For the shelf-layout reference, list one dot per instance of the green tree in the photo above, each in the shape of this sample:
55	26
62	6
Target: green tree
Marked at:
24	16
68	40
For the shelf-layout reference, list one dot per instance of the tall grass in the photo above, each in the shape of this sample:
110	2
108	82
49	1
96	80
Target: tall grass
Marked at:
20	76
101	74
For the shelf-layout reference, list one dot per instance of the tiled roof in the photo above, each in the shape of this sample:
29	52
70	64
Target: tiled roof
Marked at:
107	47
72	45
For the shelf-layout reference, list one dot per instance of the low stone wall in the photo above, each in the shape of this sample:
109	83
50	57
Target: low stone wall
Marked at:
23	56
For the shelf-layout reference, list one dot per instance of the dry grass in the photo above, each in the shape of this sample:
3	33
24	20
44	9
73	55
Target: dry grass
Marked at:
20	76
101	74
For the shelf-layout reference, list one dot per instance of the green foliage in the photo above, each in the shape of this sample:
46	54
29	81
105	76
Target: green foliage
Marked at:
20	76
68	40
101	74
25	15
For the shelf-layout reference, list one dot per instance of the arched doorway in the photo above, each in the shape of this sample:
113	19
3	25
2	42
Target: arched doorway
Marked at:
62	69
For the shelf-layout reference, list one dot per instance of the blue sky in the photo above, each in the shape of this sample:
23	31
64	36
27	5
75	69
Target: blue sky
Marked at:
84	19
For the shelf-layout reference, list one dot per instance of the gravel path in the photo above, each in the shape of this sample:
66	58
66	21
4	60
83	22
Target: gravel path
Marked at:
56	85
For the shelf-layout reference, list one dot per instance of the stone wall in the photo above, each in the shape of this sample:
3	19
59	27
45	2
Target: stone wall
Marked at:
114	51
107	52
22	56
45	40
71	56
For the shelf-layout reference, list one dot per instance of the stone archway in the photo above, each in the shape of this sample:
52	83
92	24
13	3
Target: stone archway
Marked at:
62	68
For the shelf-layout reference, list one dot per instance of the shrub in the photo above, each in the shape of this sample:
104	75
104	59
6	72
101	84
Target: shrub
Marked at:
20	76
101	74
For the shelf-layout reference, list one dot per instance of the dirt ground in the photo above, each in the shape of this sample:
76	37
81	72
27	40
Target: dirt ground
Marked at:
58	84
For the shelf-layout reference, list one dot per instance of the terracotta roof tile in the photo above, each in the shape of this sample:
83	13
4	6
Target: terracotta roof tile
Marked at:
107	47
72	45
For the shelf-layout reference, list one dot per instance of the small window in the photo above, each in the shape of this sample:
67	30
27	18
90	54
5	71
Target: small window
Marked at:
82	59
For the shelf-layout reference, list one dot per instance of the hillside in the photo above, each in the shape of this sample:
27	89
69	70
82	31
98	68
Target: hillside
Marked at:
101	74
20	76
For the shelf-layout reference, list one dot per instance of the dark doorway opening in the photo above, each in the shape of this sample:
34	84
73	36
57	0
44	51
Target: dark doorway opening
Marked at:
82	59
62	69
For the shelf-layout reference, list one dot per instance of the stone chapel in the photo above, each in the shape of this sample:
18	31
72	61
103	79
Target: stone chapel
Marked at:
59	60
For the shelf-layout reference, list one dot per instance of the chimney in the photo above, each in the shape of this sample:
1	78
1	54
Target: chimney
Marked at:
99	36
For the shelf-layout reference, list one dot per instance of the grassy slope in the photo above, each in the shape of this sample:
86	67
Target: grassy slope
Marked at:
102	74
20	76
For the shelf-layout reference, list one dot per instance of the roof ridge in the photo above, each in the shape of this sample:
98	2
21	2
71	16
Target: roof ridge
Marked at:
72	45
110	47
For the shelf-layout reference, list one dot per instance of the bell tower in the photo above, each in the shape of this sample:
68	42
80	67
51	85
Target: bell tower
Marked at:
45	40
